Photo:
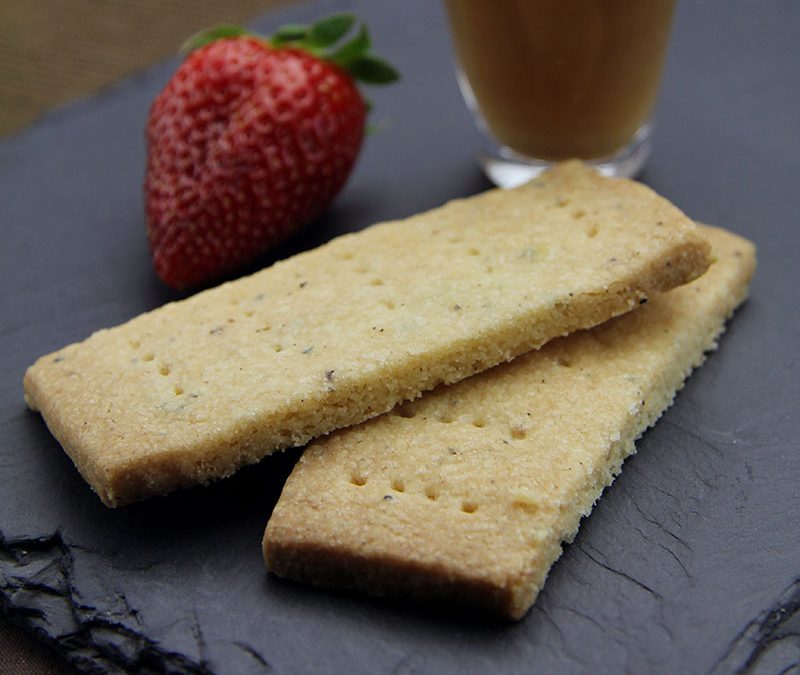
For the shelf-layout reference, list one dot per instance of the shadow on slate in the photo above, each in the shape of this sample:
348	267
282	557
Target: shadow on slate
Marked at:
690	563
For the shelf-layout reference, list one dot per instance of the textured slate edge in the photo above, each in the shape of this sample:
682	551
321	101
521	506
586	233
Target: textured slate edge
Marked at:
775	627
36	590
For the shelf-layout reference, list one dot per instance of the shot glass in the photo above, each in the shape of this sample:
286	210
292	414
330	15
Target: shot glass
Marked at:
549	80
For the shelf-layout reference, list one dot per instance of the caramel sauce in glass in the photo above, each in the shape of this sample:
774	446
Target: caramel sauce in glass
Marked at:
555	79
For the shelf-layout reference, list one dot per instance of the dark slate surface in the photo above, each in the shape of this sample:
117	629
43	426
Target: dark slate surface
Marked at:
690	563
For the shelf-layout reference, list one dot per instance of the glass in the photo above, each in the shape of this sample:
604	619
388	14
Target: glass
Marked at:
549	80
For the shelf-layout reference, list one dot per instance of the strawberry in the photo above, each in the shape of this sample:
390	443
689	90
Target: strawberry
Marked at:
251	139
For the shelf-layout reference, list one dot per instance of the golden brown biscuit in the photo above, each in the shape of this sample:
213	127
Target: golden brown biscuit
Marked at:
467	494
334	336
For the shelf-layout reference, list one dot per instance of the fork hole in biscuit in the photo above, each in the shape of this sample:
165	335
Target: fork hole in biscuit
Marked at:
135	344
518	433
398	485
376	282
178	391
473	251
346	255
248	313
163	370
431	494
479	423
388	304
361	269
446	419
358	480
564	362
469	507
578	214
265	329
488	269
278	348
562	202
525	502
148	357
592	232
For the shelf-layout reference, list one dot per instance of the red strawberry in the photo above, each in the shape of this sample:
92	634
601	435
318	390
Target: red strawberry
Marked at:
250	140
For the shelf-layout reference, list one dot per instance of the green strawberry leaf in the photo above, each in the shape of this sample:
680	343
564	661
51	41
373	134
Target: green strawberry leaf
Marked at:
329	30
351	49
372	69
209	35
324	39
290	32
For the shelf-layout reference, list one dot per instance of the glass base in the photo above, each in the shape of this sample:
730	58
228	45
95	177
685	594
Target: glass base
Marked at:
509	169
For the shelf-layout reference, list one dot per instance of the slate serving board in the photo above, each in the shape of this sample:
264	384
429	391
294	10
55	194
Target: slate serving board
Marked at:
691	561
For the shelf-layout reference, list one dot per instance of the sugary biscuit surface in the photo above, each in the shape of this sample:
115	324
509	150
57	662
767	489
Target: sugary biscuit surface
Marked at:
466	495
334	336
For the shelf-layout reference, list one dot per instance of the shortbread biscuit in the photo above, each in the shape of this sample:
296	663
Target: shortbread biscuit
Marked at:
334	336
466	495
